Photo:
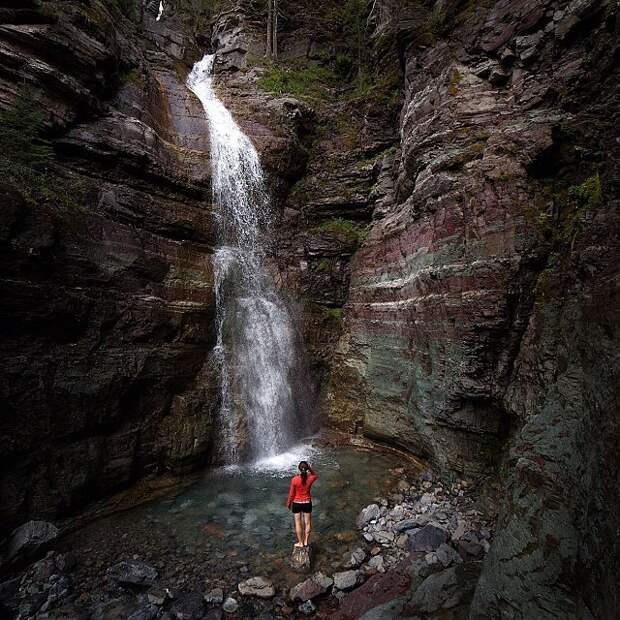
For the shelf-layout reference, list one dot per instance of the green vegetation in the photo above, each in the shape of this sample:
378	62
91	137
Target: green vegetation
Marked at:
27	157
310	81
344	228
131	76
334	313
322	265
455	79
558	219
436	21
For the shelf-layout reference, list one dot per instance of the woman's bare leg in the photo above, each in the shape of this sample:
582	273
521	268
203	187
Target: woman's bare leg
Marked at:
299	530
307	527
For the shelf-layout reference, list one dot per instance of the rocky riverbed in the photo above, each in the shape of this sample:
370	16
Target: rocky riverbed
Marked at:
417	546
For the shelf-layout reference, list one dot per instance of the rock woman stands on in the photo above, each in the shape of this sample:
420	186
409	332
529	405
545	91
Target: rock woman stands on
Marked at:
300	501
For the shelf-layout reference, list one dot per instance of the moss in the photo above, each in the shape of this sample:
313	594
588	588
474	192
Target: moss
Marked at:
334	313
131	76
344	228
558	217
455	79
322	265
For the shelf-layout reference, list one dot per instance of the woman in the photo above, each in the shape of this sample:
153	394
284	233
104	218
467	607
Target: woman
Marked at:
301	502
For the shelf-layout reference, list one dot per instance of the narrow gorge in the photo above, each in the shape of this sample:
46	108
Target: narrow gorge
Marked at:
381	236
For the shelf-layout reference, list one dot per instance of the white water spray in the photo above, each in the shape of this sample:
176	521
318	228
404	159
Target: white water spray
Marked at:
256	342
161	10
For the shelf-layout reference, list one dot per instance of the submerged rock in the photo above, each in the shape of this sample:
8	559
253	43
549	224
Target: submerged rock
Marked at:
132	573
188	606
215	596
307	608
354	558
230	605
257	586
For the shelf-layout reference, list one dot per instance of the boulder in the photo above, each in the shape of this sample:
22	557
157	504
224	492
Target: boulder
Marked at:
447	556
310	588
384	537
132	573
215	596
354	558
410	524
470	547
345	580
301	559
446	589
376	564
428	538
368	514
230	605
307	608
257	586
30	540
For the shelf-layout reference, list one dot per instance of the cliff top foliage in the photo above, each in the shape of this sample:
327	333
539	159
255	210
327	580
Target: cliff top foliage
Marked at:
352	70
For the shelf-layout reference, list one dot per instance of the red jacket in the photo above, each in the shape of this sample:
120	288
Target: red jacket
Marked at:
300	492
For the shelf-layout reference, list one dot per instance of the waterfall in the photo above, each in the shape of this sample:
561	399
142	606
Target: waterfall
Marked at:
256	347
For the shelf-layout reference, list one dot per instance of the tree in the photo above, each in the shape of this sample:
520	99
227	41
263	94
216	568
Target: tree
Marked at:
272	29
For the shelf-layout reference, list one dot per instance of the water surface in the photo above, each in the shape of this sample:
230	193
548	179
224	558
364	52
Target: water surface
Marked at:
232	523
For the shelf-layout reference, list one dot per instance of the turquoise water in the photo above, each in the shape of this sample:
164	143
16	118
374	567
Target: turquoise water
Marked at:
232	523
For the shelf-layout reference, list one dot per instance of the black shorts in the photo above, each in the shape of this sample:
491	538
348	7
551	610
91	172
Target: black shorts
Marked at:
302	507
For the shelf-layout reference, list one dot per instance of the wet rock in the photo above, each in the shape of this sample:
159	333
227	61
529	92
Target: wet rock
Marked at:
310	588
371	512
230	605
260	587
345	580
384	537
428	538
470	547
60	588
354	558
409	524
215	596
188	606
132	573
148	612
376	564
447	556
301	559
29	540
307	608
157	597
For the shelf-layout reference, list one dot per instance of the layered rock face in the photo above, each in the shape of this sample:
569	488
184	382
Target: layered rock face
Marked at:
479	320
107	300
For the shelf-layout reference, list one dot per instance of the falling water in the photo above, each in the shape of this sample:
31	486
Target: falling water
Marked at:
256	342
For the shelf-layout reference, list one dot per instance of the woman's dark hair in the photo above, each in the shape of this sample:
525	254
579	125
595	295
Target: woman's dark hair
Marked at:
303	468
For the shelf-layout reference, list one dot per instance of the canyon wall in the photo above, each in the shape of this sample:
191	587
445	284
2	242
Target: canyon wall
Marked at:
448	236
479	327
